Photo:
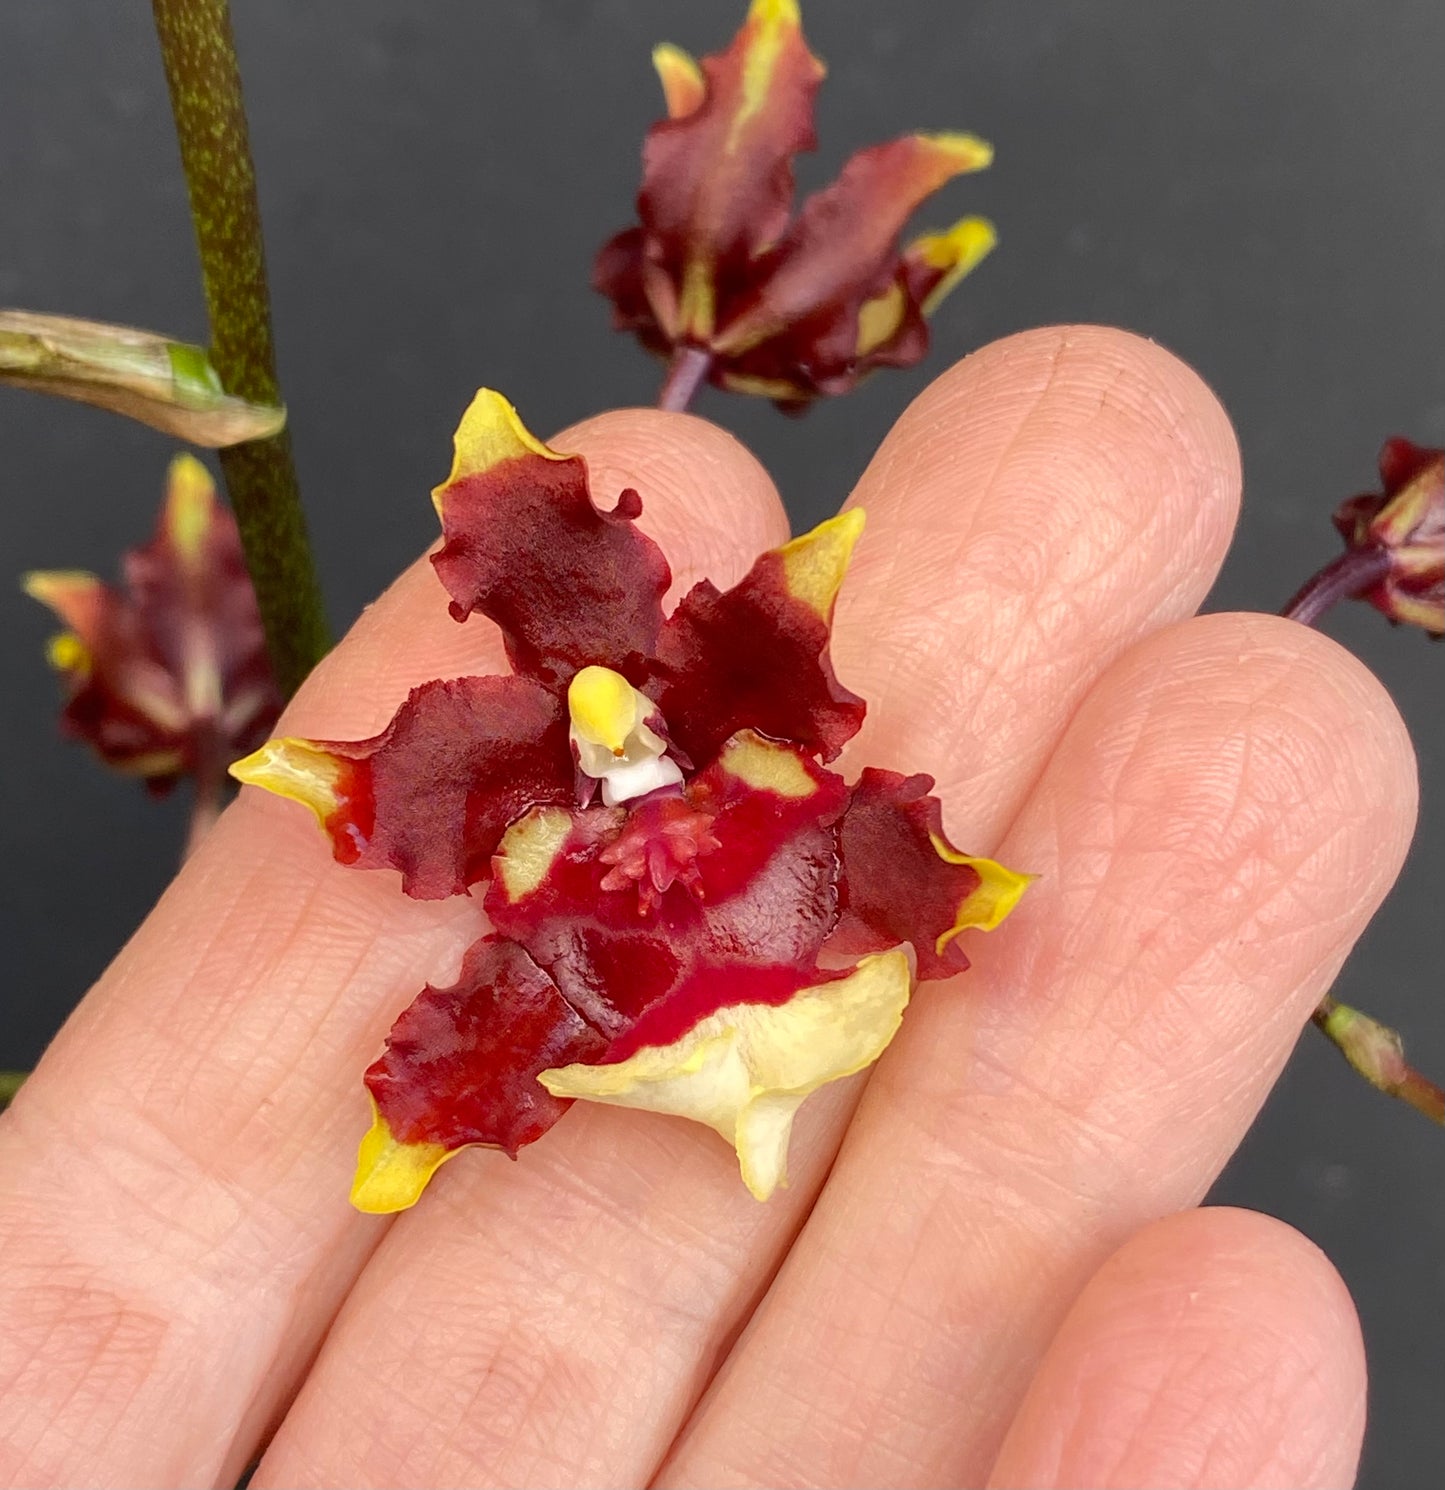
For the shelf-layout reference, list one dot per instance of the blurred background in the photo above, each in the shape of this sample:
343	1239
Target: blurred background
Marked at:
1256	187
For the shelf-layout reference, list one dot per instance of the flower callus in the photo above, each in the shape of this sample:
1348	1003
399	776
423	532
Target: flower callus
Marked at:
168	677
787	307
1406	522
665	854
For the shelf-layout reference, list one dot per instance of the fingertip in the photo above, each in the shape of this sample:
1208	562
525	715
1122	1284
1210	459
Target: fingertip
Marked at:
1114	399
1215	1347
1323	733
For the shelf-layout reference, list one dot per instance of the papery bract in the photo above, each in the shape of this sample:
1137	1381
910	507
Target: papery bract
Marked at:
787	309
168	676
675	945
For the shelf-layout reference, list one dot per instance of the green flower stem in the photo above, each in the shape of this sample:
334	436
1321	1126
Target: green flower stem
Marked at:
10	1083
199	51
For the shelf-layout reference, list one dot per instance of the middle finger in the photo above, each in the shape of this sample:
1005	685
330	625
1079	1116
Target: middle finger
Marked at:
561	1315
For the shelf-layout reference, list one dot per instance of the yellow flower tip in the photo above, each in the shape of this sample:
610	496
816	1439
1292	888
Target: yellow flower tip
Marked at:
72	594
683	84
998	891
745	1070
490	433
391	1176
959	152
953	254
66	653
775	14
771	28
603	706
815	564
190	506
299	770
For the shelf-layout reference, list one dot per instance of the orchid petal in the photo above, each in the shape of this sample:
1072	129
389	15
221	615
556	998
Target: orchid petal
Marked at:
568	584
756	656
745	1070
718	180
433	793
683	85
903	881
460	1069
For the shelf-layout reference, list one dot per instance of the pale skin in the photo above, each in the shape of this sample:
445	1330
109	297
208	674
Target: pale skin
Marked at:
987	1268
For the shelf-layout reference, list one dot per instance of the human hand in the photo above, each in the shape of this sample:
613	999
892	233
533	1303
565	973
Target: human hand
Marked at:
978	1274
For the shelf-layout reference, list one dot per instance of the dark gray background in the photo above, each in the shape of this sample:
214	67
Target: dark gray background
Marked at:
1258	186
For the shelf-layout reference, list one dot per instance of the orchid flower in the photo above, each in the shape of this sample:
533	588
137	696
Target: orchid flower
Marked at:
718	277
674	879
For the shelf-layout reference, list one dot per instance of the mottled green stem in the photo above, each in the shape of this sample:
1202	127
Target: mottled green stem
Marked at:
199	51
10	1083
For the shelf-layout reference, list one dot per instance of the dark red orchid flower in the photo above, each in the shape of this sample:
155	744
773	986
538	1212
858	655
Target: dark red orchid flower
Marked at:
673	877
168	677
716	272
1403	526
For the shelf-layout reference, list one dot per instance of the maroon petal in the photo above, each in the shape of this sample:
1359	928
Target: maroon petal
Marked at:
756	656
433	793
718	180
461	1068
902	881
569	585
843	248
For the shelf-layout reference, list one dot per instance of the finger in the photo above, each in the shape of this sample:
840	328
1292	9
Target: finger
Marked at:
1217	1347
566	1311
1224	814
173	1179
1083	495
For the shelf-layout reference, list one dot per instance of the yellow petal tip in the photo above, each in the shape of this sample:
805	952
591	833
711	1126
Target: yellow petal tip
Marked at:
998	891
683	84
775	13
299	770
190	505
391	1176
72	594
490	433
815	564
964	152
953	254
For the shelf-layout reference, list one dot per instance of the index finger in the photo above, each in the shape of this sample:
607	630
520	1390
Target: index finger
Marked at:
173	1179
